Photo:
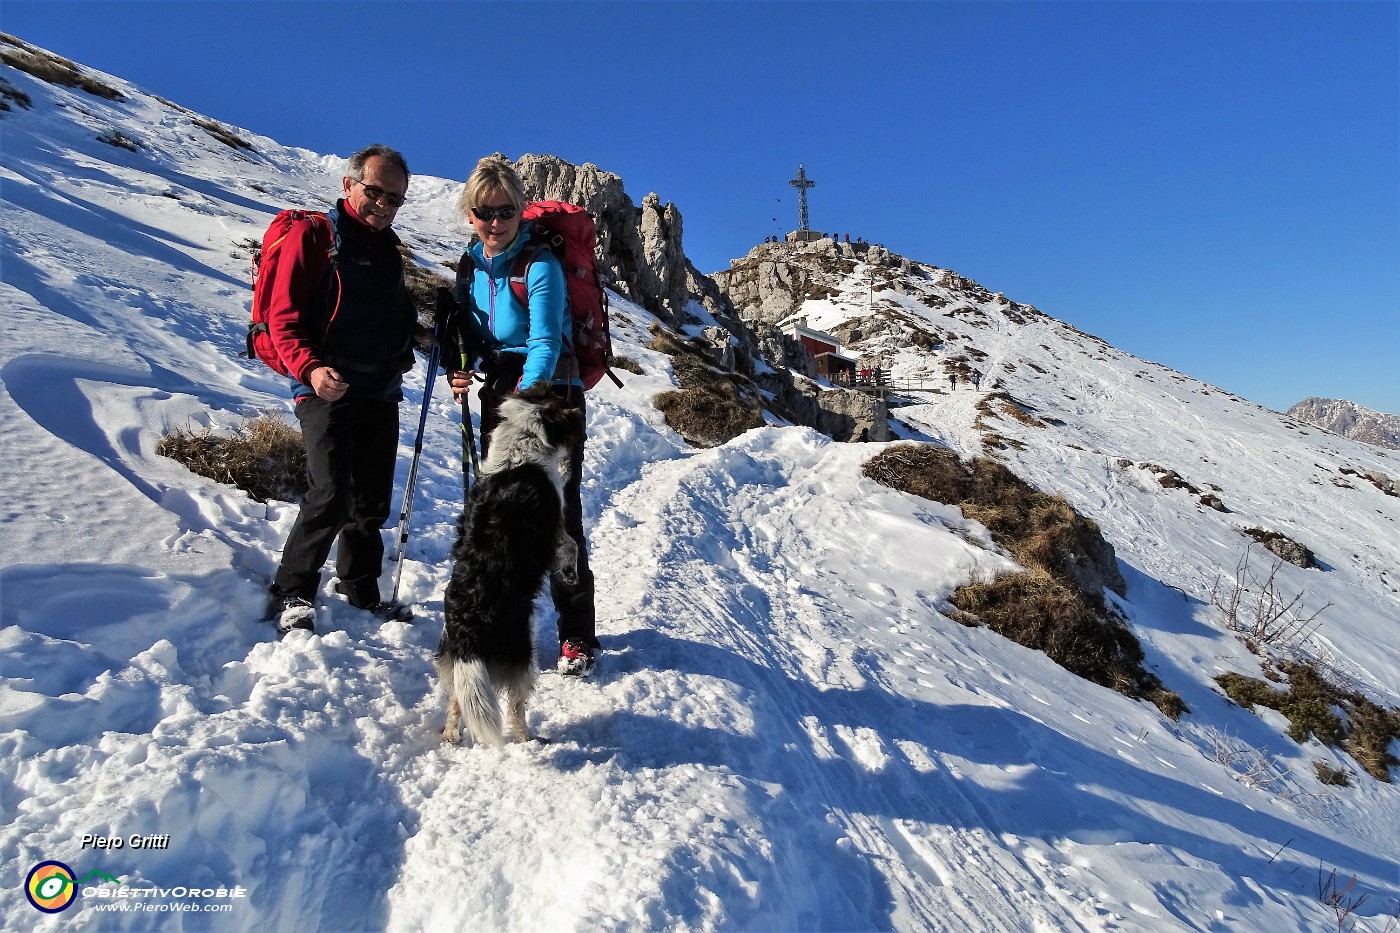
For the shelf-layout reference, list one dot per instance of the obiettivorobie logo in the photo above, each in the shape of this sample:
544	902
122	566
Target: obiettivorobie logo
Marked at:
53	887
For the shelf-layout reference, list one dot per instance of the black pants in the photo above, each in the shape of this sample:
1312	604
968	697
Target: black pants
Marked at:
350	449
578	619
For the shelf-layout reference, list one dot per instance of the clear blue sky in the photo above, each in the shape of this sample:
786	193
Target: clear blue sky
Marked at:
1214	186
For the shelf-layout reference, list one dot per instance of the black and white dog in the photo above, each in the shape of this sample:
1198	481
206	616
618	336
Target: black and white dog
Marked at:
511	536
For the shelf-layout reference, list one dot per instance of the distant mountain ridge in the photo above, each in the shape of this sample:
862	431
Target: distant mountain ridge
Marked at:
1349	420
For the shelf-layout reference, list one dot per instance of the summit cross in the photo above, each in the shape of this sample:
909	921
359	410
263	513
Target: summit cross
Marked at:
802	183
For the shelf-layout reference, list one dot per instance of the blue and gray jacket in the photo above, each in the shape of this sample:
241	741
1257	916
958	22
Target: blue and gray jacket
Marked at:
494	319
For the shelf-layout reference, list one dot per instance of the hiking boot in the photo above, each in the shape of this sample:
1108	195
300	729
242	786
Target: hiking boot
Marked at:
391	611
293	612
576	659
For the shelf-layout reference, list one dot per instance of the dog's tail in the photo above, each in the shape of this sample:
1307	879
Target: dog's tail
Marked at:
476	698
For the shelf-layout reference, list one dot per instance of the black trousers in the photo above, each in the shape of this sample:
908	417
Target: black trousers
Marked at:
578	618
351	445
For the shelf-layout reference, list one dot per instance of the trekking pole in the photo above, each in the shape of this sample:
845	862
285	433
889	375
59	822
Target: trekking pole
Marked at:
411	486
468	442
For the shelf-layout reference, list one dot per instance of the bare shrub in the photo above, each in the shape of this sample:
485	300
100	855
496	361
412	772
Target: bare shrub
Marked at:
1340	897
1259	611
264	457
1252	768
1249	765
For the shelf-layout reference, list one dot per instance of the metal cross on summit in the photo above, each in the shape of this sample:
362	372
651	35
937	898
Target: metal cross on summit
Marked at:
802	183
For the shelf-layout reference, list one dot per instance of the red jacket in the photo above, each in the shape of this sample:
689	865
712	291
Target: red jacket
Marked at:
356	316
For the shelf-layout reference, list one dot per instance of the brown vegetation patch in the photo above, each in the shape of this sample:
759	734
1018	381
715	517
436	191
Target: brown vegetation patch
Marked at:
627	364
1057	606
265	458
1002	402
120	140
8	92
1311	701
422	283
51	68
711	406
223	134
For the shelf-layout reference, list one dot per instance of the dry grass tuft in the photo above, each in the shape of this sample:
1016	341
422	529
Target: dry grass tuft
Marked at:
1057	606
51	68
223	134
264	458
8	92
422	284
711	406
1311	701
627	364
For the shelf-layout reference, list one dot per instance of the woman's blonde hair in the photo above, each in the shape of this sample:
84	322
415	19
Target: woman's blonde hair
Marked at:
492	174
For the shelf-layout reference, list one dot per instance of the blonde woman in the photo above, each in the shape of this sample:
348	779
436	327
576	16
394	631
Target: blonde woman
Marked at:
515	346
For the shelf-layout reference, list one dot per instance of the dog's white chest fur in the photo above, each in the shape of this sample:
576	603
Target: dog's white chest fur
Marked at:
520	440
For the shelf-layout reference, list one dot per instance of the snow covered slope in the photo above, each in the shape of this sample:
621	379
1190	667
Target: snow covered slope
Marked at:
785	732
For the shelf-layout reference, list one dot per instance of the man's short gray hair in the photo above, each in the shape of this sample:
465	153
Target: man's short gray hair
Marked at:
356	167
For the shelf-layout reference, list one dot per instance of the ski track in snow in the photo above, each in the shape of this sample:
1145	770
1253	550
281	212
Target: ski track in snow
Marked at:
785	732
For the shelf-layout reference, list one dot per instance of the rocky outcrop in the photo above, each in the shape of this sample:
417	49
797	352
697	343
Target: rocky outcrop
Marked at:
774	279
1349	420
841	414
1283	547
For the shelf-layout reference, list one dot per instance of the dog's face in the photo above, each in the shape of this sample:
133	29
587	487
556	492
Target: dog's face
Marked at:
537	411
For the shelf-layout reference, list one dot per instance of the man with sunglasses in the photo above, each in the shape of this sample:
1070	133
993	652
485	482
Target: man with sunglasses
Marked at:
342	319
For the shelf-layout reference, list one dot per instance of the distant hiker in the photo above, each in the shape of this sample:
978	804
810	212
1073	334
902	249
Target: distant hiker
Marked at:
977	380
344	326
517	347
952	381
848	238
864	435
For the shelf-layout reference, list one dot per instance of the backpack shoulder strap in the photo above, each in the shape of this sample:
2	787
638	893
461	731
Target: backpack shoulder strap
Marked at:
326	229
540	239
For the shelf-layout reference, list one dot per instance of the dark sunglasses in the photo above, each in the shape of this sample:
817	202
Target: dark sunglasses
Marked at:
488	214
378	194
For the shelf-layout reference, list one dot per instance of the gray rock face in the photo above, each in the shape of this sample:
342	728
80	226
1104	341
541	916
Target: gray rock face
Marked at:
1096	567
1349	420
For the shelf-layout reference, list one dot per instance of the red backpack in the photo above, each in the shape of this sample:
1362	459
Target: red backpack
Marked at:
262	268
568	231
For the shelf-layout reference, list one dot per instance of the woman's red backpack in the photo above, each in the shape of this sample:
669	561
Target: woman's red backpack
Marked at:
568	231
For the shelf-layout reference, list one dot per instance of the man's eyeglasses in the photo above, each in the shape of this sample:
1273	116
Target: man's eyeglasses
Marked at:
488	214
378	194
